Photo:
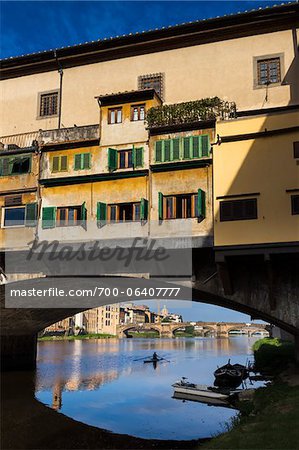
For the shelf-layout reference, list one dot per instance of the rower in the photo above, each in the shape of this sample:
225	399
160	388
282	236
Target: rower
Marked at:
155	356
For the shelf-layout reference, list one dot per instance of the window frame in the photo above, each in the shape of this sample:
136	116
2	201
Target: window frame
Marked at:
293	199
4	208
10	158
59	165
160	77
117	212
175	197
78	219
138	107
82	161
115	109
126	152
296	149
238	218
256	77
39	103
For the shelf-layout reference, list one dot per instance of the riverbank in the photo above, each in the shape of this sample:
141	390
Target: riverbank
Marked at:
268	420
78	337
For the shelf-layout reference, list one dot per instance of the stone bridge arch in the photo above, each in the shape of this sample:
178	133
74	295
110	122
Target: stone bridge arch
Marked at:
20	325
123	330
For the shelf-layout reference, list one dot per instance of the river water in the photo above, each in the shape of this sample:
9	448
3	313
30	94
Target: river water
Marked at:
98	382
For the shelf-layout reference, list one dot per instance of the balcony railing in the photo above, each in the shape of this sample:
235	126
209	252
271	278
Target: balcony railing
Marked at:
46	137
23	140
190	112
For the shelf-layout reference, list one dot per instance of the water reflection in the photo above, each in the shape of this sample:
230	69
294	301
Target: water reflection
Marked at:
98	382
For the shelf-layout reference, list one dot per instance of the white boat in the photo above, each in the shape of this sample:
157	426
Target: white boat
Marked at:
201	390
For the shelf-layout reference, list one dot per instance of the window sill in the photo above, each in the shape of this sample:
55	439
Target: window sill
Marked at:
9	227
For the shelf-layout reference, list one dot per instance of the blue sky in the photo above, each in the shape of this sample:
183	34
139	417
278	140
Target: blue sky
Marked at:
194	311
28	27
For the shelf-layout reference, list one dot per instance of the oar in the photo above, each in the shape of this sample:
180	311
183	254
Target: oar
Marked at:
140	359
163	359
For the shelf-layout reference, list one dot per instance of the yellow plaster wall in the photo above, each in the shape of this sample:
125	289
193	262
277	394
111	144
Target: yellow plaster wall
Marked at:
265	165
221	68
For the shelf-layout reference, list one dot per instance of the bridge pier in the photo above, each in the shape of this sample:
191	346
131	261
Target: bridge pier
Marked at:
18	352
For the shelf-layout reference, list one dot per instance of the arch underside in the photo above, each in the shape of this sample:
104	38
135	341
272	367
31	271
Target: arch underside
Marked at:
20	321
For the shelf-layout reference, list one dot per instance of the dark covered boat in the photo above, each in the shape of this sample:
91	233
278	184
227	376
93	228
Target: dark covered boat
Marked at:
230	375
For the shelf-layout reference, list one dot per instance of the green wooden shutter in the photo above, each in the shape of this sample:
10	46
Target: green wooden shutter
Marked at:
83	215
55	164
112	159
143	209
101	212
86	160
158	151
175	149
160	205
201	204
31	215
138	161
4	166
196	147
48	217
77	165
63	163
167	150
186	147
205	145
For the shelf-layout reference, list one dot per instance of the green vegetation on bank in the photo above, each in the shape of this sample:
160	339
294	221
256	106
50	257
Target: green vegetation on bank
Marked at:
273	355
146	334
77	337
269	420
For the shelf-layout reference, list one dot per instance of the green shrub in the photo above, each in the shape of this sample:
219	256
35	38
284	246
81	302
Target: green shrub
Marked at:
273	355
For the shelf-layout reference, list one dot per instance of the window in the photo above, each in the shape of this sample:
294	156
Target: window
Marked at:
295	204
175	149
48	104
268	71
68	216
137	112
122	212
125	212
238	210
15	165
182	206
14	217
114	115
17	216
152	81
59	163
125	159
13	200
63	216
296	149
82	161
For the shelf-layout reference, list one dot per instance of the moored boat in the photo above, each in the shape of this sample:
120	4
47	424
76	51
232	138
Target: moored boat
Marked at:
230	375
200	390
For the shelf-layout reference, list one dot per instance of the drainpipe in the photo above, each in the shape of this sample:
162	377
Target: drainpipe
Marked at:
60	71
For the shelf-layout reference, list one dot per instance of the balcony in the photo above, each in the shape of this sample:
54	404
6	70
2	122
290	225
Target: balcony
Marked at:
47	137
191	112
72	134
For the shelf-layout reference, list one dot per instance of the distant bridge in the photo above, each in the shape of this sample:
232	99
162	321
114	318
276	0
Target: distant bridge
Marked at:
217	329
